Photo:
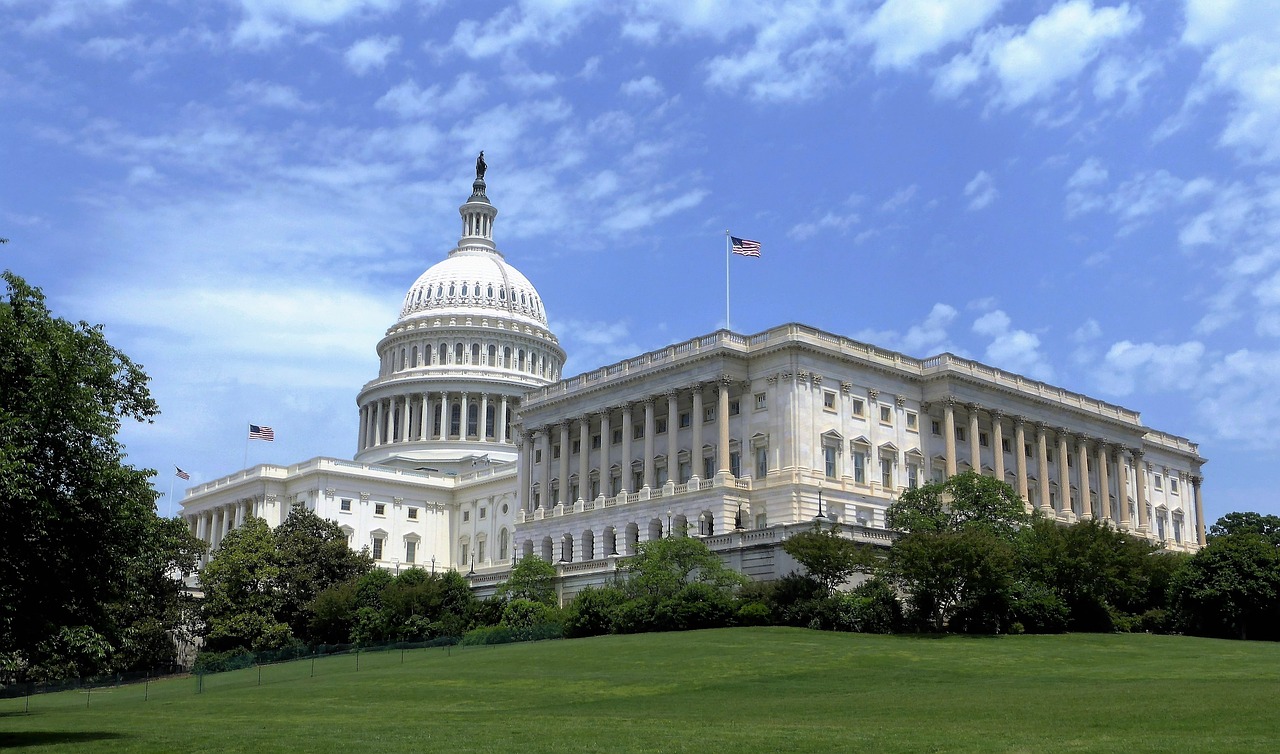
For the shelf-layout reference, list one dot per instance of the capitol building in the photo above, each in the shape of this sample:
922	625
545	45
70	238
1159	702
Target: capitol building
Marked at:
474	450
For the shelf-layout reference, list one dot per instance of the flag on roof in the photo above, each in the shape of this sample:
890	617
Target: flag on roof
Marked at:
745	247
262	433
179	473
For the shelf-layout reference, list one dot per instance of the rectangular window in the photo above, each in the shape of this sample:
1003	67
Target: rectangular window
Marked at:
573	495
466	515
1157	479
886	414
762	520
595	442
886	473
377	548
762	463
413	515
708	467
615	485
595	488
935	427
537	499
829	400
379	509
686	419
537	455
735	407
555	452
983	440
483	512
1173	485
466	551
859	406
913	475
1005	446
760	401
637	432
735	463
1177	530
686	471
829	461
410	550
480	550
617	437
960	434
637	480
1026	450
660	426
913	421
860	467
345	505
577	446
708	414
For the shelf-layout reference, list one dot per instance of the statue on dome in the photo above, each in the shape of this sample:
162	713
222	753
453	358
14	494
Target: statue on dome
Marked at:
480	166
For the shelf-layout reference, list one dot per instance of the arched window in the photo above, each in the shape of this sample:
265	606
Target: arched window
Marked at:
473	416
502	544
493	353
451	289
464	289
520	360
488	421
506	357
490	291
439	290
457	353
455	419
502	294
403	356
415	356
426	355
475	353
524	301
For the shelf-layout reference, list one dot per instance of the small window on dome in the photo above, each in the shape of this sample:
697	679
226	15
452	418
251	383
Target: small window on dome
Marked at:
439	290
502	294
451	289
491	291
523	301
464	289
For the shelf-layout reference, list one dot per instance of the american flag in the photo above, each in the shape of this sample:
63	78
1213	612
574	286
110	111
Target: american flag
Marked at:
745	247
179	473
262	433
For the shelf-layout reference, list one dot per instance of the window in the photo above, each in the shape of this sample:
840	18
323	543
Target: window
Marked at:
577	446
1157	481
1026	450
637	432
886	473
377	548
555	452
983	440
345	505
708	467
735	407
537	456
935	427
595	442
617	436
829	400
637	480
483	513
708	414
686	471
829	461
859	406
410	550
960	434
913	475
1177	530
466	551
860	466
762	520
913	421
760	401
686	419
379	509
413	516
886	414
615	484
480	550
660	426
466	516
1071	462
762	462
1005	447
1173	488
595	488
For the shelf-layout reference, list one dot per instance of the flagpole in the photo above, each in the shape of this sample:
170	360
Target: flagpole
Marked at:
726	279
170	498
245	465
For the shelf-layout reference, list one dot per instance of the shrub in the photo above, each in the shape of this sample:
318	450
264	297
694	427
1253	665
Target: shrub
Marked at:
524	613
220	662
593	612
1039	609
507	635
754	614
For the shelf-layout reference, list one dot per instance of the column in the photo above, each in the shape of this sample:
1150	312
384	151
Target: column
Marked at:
1104	482
483	425
522	473
216	537
444	416
584	456
1195	486
1020	456
202	527
408	417
650	429
1140	471
997	443
949	434
237	515
502	424
1064	474
673	445
606	438
1122	488
975	449
545	500
364	428
1042	458
627	419
389	430
1086	497
695	453
424	416
462	417
375	428
722	420
563	497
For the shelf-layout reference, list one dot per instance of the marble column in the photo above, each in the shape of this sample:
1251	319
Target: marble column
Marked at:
1086	497
722	421
463	415
1199	502
424	416
606	439
1104	482
650	429
1020	457
545	499
375	439
673	446
695	453
1042	468
563	497
584	456
444	416
997	443
627	430
1140	472
390	429
406	421
975	448
483	430
949	434
1122	488
363	429
1064	474
502	430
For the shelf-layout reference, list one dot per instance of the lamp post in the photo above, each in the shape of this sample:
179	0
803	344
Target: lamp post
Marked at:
820	513
737	520
669	533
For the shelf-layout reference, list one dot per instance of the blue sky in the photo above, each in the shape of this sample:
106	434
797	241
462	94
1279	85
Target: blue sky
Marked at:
1082	191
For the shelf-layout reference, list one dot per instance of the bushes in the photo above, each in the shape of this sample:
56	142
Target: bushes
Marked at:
594	612
508	635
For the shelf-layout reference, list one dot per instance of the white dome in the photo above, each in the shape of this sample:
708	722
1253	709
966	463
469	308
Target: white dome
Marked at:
474	282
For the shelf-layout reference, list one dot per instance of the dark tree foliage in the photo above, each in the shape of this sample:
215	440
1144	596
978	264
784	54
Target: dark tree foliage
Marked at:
380	607
964	501
312	555
1248	522
1231	587
828	557
532	579
79	536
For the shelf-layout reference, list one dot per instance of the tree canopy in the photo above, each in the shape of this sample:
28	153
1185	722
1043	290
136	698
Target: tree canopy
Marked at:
829	557
86	566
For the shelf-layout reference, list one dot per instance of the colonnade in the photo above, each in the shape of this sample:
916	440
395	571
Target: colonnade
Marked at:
513	356
212	524
1131	470
436	415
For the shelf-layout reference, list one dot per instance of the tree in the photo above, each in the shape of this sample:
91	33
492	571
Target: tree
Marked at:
964	501
829	557
662	567
76	521
312	555
241	604
1231	588
532	579
1248	522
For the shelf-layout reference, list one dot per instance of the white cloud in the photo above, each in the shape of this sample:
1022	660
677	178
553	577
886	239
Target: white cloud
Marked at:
265	21
594	343
408	100
1239	401
56	15
900	198
1124	79
903	31
268	94
371	53
981	191
1088	331
646	86
1011	349
545	23
924	339
1032	63
1155	367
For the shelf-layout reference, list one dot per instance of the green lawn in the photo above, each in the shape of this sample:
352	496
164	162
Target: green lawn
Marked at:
738	690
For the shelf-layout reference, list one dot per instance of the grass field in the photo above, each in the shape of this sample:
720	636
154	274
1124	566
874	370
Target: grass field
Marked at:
739	690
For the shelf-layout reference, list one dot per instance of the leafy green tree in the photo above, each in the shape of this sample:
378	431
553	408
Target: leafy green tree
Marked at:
241	603
312	555
1231	588
964	501
593	612
76	522
532	579
828	557
662	567
1248	522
